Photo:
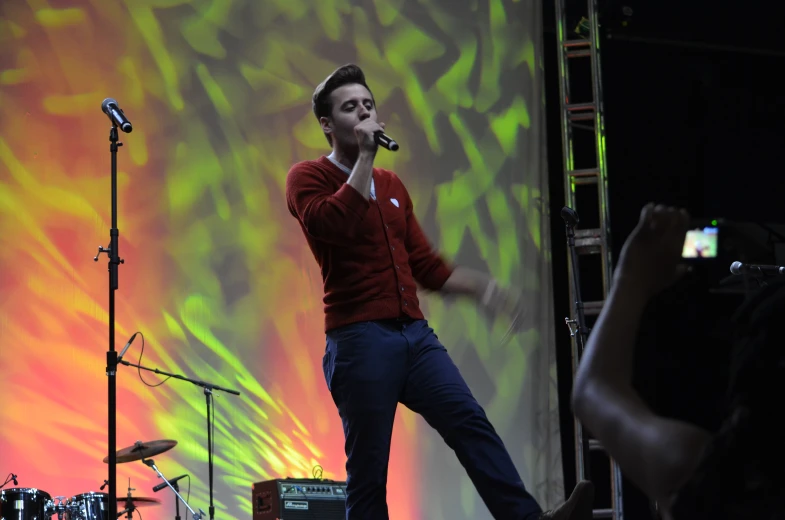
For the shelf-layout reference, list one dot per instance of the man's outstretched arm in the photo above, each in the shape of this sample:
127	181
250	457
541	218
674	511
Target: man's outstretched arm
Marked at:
433	273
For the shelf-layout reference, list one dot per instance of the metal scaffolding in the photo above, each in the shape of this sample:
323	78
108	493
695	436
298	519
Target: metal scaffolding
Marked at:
585	167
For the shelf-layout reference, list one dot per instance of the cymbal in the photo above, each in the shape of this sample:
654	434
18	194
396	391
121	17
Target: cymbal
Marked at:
138	501
143	450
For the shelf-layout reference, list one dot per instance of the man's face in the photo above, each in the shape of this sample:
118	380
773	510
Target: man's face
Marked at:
351	104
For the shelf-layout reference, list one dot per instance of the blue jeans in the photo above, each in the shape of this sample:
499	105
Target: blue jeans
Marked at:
370	367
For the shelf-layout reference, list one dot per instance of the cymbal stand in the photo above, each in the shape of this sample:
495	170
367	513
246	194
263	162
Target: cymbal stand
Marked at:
129	505
195	515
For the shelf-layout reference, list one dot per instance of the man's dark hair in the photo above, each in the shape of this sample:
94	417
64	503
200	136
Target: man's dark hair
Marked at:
345	75
740	474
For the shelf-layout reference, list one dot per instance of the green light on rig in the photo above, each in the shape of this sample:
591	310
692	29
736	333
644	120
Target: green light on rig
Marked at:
714	222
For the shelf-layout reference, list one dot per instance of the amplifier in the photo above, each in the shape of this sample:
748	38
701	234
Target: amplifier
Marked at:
299	499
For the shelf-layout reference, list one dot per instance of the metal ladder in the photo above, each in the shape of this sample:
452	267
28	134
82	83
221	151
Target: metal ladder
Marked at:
586	166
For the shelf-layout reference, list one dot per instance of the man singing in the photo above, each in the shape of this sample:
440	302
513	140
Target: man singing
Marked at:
360	225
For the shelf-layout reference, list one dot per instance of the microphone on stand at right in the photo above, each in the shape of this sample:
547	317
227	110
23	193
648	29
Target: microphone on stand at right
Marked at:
737	268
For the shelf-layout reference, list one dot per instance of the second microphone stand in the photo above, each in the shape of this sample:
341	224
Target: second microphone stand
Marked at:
174	487
208	393
578	331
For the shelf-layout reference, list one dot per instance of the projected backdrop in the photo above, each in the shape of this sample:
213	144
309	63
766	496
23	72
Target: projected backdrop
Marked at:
217	275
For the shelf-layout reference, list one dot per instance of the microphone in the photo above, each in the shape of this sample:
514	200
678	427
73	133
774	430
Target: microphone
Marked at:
162	485
385	141
106	483
125	348
13	477
570	217
116	115
768	270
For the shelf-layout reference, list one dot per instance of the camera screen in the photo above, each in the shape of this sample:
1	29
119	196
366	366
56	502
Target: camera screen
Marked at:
701	243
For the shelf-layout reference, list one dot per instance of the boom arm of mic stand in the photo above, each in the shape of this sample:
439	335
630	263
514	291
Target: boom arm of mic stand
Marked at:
151	463
182	378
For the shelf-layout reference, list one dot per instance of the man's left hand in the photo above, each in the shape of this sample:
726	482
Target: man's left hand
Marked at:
501	301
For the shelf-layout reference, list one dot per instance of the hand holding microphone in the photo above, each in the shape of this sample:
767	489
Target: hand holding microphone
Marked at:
385	141
370	134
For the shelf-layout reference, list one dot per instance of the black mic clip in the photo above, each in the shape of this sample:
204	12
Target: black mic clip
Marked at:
173	482
570	217
13	477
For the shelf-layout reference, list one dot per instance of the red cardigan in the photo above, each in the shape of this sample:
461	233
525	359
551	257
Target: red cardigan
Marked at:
370	252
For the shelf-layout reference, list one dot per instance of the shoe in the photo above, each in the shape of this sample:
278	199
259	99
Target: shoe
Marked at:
578	507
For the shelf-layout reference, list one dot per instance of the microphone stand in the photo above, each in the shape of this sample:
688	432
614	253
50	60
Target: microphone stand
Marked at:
580	333
208	393
111	355
195	515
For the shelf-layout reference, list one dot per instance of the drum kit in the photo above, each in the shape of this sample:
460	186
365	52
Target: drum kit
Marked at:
34	504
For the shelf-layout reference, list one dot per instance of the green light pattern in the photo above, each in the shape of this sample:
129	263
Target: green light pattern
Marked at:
217	274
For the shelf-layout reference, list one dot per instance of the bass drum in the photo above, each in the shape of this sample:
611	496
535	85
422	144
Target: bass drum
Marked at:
88	506
25	504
